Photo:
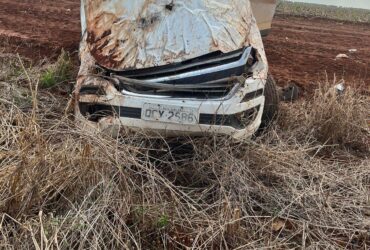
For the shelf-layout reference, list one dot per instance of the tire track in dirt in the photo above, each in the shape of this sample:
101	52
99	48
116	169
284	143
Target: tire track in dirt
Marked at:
300	50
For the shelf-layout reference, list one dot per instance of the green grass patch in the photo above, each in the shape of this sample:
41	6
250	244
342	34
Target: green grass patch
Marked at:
324	11
57	73
163	221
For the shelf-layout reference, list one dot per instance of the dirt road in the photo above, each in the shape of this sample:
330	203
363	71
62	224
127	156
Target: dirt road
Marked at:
299	50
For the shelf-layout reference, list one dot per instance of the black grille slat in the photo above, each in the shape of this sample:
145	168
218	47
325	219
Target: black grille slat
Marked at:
130	112
97	111
253	95
229	120
219	72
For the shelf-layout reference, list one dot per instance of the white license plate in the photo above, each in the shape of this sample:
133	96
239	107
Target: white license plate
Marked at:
170	114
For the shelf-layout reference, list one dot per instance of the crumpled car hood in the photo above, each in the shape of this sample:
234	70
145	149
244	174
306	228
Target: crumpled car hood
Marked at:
127	34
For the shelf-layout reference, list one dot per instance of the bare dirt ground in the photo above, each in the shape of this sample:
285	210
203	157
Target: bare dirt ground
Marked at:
303	50
300	50
39	28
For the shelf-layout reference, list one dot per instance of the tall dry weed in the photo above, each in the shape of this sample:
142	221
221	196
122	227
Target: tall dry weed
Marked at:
332	118
63	188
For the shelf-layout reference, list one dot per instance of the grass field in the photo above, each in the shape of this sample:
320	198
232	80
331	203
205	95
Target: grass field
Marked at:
330	12
304	183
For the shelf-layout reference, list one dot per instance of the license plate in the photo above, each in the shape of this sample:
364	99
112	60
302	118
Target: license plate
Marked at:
170	114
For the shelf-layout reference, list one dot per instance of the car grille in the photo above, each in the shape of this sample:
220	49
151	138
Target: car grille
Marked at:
210	76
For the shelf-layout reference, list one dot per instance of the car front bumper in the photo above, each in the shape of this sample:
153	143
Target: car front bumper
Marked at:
238	114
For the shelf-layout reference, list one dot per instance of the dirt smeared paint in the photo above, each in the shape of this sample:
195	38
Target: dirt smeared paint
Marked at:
125	34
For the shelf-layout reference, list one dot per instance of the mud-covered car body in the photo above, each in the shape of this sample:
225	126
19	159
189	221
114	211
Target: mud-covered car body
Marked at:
171	67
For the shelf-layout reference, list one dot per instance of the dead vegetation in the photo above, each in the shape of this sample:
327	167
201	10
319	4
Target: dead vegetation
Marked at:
305	183
339	119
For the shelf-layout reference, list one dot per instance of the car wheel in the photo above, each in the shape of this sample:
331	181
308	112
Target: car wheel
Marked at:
271	108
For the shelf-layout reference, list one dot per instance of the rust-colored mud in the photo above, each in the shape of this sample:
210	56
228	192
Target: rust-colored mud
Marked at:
299	50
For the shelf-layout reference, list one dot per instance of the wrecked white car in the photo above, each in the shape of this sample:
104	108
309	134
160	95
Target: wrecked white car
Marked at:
175	67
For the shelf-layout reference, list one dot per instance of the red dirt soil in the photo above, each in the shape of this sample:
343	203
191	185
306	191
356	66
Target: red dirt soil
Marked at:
39	28
303	51
300	50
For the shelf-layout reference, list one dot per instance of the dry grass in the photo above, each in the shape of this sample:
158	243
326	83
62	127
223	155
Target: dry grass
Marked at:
63	188
332	118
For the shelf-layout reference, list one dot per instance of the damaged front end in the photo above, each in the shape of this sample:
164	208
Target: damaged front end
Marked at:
171	67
